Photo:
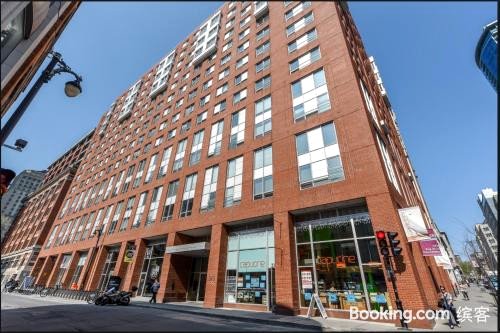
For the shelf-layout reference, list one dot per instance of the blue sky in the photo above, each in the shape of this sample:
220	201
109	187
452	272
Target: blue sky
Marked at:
446	109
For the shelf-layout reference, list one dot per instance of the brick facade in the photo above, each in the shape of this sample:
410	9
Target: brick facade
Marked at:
366	179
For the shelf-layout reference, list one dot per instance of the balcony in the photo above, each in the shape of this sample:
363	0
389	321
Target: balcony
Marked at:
204	54
261	8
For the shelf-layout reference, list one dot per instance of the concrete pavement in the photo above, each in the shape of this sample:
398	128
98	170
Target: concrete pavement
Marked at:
470	312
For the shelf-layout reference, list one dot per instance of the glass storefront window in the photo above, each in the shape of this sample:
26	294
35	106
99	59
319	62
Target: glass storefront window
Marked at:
340	229
363	227
332	268
151	268
250	266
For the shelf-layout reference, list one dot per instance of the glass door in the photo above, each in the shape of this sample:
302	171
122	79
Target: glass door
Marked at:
201	287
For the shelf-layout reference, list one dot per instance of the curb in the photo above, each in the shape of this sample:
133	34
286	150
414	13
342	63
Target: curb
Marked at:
240	318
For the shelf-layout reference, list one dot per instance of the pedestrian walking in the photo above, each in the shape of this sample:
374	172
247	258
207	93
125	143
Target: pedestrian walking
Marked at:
447	301
154	289
463	289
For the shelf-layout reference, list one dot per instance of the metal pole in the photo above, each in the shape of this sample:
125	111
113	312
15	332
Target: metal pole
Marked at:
399	304
11	123
91	261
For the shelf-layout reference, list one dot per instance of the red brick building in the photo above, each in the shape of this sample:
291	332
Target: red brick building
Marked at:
249	169
22	243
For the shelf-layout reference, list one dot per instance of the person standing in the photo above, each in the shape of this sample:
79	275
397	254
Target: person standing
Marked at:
447	300
463	289
154	289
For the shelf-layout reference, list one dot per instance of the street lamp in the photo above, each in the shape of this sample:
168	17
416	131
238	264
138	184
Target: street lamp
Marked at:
97	232
71	89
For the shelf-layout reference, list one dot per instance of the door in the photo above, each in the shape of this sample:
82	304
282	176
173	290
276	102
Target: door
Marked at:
201	287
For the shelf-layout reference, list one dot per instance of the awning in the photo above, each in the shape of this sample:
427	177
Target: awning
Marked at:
193	249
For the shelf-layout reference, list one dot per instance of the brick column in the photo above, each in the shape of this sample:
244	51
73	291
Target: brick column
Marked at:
412	279
121	266
165	283
134	268
37	268
216	271
286	289
47	266
66	280
175	271
53	274
95	268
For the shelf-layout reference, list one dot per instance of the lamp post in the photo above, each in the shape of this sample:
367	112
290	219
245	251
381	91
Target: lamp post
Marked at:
98	232
71	88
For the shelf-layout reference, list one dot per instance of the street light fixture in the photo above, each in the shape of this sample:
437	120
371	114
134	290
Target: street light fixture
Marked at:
55	66
97	232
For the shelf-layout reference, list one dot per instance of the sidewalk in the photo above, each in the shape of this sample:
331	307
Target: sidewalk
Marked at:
315	323
479	299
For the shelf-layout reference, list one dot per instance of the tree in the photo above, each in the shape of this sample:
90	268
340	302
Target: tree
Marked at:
466	267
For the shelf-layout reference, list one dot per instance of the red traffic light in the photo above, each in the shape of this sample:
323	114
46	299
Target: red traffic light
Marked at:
380	234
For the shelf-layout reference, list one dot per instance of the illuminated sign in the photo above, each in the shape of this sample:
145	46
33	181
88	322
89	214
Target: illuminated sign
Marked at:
339	261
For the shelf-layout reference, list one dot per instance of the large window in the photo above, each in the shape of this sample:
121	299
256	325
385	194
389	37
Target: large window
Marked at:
263	123
263	173
140	209
234	181
237	135
388	163
179	156
151	169
305	20
116	216
128	212
195	156
305	60
319	156
164	162
188	195
153	206
310	95
215	145
78	270
209	188
250	267
138	175
168	209
303	40
337	258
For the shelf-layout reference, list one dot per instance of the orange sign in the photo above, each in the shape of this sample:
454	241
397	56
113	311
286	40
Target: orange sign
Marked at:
340	261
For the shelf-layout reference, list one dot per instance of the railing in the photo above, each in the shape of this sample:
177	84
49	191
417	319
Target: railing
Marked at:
65	293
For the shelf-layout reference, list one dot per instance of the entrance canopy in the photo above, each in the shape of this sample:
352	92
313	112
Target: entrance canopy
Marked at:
199	249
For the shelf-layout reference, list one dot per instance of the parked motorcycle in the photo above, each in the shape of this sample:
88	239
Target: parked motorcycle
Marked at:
114	297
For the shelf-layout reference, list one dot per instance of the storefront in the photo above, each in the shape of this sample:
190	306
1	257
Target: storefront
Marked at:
109	266
151	267
78	271
250	267
337	257
66	259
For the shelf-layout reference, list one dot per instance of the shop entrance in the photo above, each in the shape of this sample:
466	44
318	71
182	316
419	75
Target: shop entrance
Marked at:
151	268
197	280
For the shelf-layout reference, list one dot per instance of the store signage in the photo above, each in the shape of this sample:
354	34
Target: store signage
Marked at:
129	254
306	277
253	264
431	233
340	261
430	247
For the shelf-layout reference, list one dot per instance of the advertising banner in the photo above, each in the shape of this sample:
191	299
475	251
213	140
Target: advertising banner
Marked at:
443	260
430	247
129	255
413	223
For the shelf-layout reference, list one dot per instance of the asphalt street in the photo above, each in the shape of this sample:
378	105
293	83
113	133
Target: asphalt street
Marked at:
32	313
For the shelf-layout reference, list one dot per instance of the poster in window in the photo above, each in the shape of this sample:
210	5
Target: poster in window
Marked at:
306	277
332	297
254	283
307	296
380	298
262	284
351	298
